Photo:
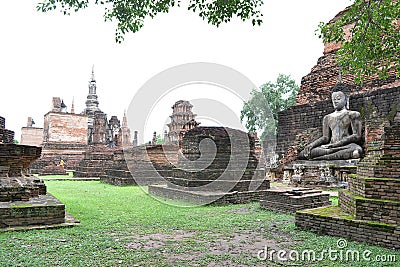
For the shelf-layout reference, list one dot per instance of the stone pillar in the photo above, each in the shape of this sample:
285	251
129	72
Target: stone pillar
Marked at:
100	128
56	104
135	138
165	141
154	140
30	122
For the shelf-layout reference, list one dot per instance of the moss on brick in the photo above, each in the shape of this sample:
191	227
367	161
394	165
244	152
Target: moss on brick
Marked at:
21	206
380	179
329	211
354	176
381	225
376	200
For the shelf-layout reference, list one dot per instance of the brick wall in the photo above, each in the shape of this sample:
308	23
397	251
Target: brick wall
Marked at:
31	136
96	160
377	188
378	234
215	199
316	85
376	210
65	128
6	136
147	165
71	154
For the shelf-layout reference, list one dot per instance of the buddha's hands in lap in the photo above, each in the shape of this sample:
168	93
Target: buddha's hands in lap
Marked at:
306	151
327	146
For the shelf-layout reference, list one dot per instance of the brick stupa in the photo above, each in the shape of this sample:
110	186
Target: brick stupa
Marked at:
218	165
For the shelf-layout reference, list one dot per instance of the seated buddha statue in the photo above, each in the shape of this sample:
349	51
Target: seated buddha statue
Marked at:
341	132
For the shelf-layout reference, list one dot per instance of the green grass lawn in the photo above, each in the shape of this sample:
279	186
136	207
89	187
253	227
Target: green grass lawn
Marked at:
122	226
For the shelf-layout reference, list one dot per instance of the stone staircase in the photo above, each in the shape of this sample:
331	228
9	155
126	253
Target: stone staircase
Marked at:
290	200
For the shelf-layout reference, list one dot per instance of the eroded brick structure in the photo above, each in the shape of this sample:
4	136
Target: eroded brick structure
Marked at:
290	200
31	136
64	138
23	198
6	136
96	159
124	134
221	170
299	125
143	165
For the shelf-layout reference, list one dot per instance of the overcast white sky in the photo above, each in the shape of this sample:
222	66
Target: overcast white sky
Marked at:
46	55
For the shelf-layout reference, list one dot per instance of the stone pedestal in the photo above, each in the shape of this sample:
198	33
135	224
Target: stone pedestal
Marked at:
320	174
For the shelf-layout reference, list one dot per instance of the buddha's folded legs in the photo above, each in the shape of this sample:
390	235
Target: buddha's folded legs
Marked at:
350	151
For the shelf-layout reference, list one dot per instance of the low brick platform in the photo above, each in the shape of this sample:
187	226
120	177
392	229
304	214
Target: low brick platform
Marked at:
53	170
117	173
206	197
36	211
334	222
71	154
70	221
290	200
41	210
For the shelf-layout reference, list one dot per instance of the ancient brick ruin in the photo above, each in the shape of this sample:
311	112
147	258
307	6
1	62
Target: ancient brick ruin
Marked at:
70	137
316	85
64	138
6	136
230	174
96	159
24	201
143	165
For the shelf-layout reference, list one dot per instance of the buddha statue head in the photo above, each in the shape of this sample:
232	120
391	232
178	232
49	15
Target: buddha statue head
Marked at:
340	96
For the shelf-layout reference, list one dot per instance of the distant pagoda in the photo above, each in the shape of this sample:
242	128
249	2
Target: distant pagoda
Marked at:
182	119
97	121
